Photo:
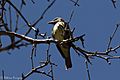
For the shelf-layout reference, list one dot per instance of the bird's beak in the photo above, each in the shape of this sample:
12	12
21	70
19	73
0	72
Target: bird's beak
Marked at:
51	22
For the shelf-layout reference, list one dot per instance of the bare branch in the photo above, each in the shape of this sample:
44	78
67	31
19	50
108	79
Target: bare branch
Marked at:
23	37
41	17
87	69
33	1
114	3
17	16
28	24
36	70
10	20
75	2
111	37
3	75
71	17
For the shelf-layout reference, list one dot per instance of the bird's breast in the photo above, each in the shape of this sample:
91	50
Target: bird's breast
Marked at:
58	31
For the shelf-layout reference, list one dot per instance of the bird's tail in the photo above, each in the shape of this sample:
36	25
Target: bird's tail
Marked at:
68	62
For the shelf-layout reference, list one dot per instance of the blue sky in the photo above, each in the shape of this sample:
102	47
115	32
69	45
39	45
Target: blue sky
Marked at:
95	18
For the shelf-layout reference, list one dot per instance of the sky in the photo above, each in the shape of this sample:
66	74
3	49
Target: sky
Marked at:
95	18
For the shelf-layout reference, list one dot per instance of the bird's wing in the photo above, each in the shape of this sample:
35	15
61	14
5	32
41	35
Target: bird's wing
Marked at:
67	31
64	50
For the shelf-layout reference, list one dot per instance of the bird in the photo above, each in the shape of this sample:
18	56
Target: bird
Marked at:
61	31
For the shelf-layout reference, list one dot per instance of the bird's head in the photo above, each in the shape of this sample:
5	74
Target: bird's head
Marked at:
55	20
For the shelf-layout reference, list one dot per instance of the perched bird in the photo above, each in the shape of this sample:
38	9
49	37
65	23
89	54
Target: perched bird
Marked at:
60	32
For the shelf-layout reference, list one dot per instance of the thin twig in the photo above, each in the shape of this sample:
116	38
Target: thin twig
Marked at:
33	1
71	17
31	57
111	37
10	19
51	69
51	64
47	52
42	72
87	69
17	16
41	17
75	2
34	46
2	7
3	75
52	72
81	51
33	70
23	2
114	3
28	24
